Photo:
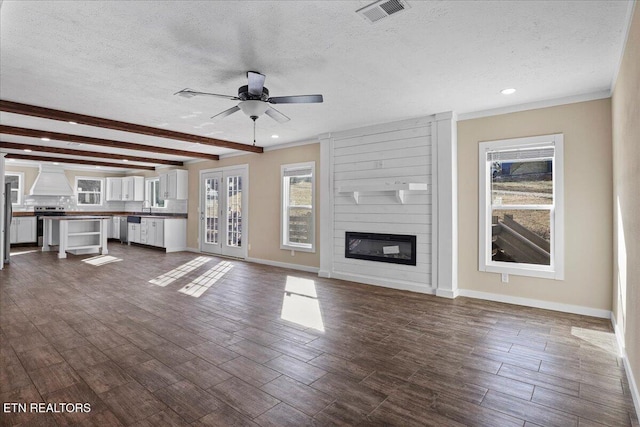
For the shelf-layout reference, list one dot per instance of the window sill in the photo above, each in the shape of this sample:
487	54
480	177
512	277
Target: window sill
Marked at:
524	271
298	248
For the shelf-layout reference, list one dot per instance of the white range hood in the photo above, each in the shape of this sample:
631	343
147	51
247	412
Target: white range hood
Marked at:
51	181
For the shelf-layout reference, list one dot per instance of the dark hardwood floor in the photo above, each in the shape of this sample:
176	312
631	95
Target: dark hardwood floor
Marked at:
275	347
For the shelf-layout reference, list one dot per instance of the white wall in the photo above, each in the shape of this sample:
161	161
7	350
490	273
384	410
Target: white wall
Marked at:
381	154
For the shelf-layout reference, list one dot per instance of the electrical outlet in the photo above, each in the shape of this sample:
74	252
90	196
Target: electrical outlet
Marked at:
505	278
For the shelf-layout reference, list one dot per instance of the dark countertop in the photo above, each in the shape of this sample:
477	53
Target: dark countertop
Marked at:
106	213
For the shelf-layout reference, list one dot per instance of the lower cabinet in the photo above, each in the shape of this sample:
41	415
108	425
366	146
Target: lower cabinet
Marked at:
23	230
152	232
133	234
114	227
168	233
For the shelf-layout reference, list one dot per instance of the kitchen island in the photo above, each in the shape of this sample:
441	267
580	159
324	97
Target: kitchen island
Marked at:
77	235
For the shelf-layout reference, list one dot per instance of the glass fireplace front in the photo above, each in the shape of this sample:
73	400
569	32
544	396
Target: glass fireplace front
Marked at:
393	248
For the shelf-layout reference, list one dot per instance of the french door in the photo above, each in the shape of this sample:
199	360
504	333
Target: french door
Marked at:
223	211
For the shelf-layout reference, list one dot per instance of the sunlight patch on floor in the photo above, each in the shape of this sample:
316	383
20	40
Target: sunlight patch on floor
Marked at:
101	260
604	340
300	303
173	275
25	252
206	280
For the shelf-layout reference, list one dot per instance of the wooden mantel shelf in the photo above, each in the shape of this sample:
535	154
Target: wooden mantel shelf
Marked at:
401	189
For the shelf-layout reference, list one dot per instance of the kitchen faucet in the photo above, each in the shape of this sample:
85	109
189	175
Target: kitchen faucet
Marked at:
146	204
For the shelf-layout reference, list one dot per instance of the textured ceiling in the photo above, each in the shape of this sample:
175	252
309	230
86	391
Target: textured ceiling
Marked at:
124	60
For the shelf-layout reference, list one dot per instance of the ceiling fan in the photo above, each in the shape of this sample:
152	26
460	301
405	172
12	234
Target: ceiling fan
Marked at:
254	100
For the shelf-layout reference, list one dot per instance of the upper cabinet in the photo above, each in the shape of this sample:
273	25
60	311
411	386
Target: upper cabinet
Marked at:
133	188
114	189
128	189
174	185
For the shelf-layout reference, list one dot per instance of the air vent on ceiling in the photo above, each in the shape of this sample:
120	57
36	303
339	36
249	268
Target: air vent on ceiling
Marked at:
381	9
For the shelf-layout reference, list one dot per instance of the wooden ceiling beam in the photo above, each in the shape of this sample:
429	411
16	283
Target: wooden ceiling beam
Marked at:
65	116
57	150
35	133
74	161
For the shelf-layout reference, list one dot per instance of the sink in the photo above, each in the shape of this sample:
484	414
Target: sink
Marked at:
134	218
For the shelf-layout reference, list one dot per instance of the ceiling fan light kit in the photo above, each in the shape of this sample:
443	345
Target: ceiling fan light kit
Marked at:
253	109
254	100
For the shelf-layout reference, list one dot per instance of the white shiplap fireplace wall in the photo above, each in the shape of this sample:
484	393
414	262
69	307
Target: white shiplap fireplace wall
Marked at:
373	161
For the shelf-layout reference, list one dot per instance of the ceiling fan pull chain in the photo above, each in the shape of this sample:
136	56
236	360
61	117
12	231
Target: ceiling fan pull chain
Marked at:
254	132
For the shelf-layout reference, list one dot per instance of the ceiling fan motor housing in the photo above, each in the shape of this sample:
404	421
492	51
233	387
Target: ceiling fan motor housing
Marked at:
244	95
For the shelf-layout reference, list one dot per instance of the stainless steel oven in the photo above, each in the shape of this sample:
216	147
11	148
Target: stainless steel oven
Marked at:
42	211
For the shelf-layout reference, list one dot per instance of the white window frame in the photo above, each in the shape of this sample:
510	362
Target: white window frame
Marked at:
20	176
556	268
284	207
153	203
90	178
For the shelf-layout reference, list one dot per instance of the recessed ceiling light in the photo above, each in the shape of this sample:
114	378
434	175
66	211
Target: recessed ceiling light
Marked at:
274	136
12	160
98	167
73	123
44	138
125	160
56	163
26	150
508	91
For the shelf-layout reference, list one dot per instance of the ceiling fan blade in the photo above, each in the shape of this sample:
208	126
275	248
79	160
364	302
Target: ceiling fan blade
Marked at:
276	115
256	82
189	93
226	113
296	99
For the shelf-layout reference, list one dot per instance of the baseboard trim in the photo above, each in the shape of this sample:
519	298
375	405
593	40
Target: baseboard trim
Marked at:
529	302
633	385
446	293
324	273
298	267
290	266
376	281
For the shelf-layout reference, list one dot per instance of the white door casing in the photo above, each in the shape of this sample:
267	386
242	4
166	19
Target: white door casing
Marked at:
224	211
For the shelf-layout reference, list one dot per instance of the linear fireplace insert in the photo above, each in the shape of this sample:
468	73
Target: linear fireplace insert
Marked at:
393	248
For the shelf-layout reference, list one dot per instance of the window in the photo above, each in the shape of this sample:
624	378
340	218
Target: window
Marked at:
153	193
17	186
298	212
89	191
521	207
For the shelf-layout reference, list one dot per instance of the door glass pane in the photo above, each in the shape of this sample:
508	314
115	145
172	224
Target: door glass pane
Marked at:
234	211
211	210
521	236
522	183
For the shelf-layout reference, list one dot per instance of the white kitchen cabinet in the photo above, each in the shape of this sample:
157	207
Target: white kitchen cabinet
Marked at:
158	232
79	235
23	230
174	185
114	227
168	233
114	189
133	188
133	234
152	231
